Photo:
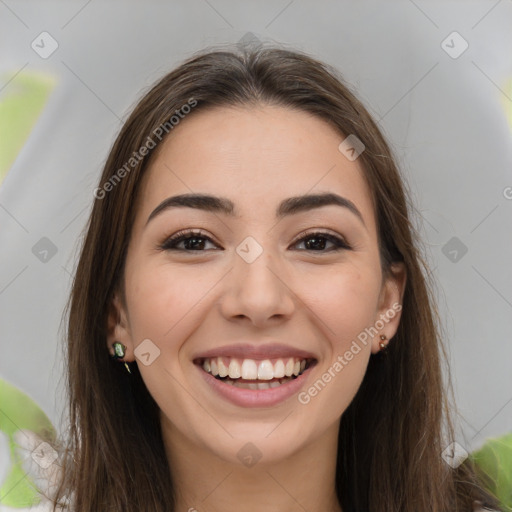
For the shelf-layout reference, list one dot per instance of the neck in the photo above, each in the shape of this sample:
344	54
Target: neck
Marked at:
303	481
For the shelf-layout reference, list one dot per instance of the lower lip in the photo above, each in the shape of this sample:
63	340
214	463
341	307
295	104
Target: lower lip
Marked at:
255	397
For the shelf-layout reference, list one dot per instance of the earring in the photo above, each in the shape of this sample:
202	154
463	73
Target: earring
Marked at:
382	345
119	353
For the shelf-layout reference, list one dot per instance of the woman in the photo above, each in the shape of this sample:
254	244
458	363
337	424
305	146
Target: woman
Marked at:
251	269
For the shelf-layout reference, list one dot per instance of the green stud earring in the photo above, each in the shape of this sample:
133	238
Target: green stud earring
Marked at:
119	353
119	350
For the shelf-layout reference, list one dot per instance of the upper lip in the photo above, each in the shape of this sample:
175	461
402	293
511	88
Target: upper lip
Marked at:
245	351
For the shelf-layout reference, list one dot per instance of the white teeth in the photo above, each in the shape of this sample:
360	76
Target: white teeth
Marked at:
288	369
274	384
234	369
263	385
213	366
249	369
279	369
265	370
223	369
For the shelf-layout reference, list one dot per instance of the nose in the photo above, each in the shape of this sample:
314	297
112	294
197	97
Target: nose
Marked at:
257	292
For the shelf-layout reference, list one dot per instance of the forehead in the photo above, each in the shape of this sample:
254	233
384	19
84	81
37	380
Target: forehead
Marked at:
256	157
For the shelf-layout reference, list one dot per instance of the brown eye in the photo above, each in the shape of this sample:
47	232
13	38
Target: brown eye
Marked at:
318	241
192	241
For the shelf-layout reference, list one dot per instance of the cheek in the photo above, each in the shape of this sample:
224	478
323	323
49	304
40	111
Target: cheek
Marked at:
344	300
163	299
166	305
344	304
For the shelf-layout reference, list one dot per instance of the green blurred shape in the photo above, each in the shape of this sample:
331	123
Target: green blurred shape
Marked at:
494	460
21	102
19	411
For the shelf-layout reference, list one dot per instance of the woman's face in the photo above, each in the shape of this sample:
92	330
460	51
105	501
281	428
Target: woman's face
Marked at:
274	280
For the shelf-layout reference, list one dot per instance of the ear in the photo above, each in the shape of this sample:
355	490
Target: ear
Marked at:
389	311
118	327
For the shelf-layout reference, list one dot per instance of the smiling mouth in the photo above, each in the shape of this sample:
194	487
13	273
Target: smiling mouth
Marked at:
255	374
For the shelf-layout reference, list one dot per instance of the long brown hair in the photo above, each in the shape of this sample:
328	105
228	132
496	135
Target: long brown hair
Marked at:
393	433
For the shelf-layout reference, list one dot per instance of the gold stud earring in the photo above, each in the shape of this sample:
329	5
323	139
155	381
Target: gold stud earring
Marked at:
383	345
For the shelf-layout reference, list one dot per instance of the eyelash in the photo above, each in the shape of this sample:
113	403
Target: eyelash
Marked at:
170	243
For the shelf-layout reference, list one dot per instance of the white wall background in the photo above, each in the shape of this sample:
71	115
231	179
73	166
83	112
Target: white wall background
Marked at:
444	116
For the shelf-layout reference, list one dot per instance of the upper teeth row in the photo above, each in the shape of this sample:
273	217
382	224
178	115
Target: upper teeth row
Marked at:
251	369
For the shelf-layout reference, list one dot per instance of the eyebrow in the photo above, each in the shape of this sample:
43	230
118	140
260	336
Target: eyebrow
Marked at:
289	206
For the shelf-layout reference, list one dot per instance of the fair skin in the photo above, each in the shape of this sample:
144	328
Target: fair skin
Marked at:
298	292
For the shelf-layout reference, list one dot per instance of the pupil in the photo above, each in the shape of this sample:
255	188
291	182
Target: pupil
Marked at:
316	242
194	241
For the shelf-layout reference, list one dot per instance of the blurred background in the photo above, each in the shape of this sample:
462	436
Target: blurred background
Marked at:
437	76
